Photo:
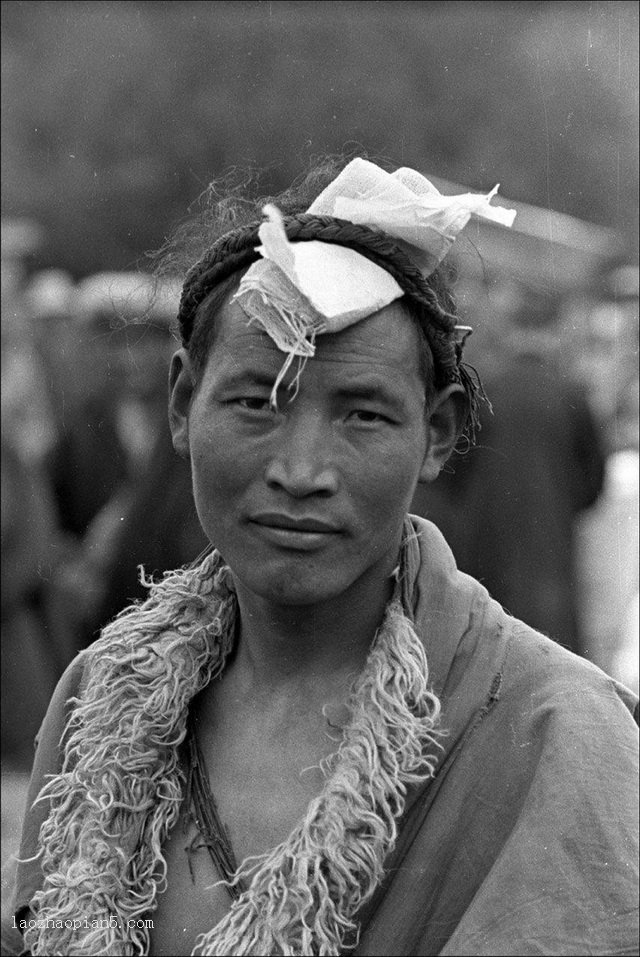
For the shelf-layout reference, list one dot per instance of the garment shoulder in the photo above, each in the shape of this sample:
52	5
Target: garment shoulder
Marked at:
544	672
530	826
47	761
68	688
562	871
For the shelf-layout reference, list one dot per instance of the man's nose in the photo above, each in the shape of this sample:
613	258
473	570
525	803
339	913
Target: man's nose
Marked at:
301	463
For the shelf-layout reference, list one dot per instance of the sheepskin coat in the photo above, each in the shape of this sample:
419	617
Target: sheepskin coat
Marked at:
514	832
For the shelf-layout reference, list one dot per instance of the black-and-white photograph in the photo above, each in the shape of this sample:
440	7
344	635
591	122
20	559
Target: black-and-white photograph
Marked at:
320	478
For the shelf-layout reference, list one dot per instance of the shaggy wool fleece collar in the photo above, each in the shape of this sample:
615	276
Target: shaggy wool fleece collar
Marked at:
121	786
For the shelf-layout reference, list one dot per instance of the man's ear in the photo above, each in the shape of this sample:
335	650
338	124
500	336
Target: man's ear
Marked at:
181	388
445	422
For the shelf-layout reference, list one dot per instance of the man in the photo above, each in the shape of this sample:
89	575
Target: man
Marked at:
323	737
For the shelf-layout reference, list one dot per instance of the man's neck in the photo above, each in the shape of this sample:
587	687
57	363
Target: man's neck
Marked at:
289	648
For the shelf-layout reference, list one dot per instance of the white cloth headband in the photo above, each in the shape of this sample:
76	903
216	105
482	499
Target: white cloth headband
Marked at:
300	290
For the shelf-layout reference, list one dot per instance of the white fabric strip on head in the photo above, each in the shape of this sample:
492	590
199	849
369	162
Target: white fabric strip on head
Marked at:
300	290
406	206
314	287
340	285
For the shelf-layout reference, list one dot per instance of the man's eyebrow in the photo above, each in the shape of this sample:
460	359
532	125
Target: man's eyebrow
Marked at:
246	375
370	389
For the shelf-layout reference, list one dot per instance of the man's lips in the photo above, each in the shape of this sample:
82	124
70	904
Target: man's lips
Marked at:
302	524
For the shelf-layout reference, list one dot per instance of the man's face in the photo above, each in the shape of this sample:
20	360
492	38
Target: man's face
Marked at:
305	501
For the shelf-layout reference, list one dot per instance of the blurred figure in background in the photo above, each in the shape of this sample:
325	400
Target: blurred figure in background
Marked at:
508	507
88	465
608	532
159	530
35	639
28	419
51	302
137	511
127	325
599	334
32	659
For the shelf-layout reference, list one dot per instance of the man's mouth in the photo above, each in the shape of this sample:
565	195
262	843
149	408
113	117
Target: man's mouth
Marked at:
294	524
301	532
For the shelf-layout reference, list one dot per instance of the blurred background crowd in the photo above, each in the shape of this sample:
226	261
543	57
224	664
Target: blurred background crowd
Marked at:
116	116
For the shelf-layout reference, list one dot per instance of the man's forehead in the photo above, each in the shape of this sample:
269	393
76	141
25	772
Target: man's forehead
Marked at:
389	337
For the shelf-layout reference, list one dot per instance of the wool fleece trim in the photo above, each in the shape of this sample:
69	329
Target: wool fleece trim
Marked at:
119	793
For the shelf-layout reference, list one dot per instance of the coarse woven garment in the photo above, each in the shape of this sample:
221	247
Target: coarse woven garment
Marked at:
526	839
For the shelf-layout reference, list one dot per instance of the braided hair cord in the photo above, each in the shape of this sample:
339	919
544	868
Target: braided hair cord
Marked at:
237	249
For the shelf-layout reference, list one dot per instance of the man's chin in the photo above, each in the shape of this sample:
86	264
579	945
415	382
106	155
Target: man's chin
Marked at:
287	587
294	594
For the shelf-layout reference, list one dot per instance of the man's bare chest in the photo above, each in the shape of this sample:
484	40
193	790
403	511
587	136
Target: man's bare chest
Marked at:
191	904
262	785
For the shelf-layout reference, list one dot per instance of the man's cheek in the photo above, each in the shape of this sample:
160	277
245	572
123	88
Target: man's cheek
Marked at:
384	491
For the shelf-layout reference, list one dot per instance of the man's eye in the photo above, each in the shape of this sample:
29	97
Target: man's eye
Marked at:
254	403
367	416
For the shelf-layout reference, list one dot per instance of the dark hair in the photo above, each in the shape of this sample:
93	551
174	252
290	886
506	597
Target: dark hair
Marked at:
223	242
204	328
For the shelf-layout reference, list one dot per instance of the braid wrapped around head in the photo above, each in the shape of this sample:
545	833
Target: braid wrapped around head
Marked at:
399	222
237	249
